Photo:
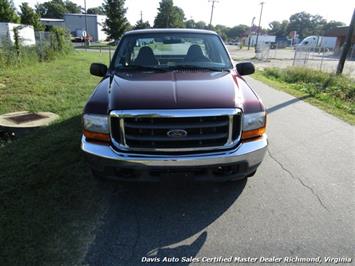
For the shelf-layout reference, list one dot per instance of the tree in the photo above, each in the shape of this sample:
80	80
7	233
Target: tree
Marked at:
222	31
169	16
331	25
57	8
238	31
141	25
72	7
190	24
279	29
8	12
29	17
116	23
306	24
201	25
96	10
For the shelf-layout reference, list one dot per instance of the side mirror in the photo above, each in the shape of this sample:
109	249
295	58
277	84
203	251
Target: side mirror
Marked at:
245	68
98	69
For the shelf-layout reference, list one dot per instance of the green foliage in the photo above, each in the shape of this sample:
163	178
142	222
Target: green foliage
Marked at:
116	23
141	25
169	16
201	25
57	8
57	44
60	40
8	12
221	30
71	7
16	55
29	17
321	85
96	10
306	24
238	31
331	25
190	24
279	29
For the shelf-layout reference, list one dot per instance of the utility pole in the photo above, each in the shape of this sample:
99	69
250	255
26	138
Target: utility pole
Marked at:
251	27
86	26
213	2
141	16
347	45
258	30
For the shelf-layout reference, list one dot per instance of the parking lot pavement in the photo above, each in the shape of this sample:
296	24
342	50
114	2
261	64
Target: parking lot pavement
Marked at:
299	204
283	58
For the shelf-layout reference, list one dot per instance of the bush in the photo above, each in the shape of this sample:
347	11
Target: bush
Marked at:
315	82
60	40
55	43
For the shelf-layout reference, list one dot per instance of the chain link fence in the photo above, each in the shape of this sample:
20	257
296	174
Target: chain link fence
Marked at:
274	55
262	51
321	58
48	45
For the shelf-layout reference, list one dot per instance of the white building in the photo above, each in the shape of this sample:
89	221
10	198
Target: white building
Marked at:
262	39
94	23
76	22
26	33
56	22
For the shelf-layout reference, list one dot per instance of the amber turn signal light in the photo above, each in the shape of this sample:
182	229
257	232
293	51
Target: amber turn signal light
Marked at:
96	136
253	133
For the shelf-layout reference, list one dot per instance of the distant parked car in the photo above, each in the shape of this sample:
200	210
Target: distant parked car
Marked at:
80	36
234	43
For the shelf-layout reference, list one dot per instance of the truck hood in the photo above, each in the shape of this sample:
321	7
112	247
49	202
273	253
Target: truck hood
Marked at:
178	89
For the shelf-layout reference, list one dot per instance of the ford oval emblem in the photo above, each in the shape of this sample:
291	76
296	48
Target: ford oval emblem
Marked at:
177	133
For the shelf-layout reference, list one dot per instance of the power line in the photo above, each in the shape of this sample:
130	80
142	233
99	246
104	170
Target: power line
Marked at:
213	2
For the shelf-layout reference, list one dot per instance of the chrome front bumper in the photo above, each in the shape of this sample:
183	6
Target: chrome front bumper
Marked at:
251	152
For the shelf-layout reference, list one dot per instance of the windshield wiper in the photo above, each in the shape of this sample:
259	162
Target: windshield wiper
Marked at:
194	67
141	67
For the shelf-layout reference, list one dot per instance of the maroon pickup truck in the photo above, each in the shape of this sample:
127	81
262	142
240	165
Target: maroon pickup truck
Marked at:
172	104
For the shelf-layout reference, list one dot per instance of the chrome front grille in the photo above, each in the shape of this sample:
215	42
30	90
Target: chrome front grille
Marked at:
175	130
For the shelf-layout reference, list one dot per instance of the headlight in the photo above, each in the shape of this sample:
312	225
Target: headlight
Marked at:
96	123
254	125
96	127
254	121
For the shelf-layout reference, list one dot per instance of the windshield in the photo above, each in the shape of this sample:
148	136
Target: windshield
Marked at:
166	51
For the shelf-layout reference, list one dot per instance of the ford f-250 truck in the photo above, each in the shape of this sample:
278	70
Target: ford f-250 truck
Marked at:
172	104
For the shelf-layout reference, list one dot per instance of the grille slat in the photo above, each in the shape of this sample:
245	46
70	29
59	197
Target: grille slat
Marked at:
176	126
149	133
187	138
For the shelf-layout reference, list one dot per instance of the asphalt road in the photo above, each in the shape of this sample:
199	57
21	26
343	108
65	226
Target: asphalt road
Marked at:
301	202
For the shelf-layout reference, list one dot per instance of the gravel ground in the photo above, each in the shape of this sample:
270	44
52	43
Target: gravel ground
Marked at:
284	58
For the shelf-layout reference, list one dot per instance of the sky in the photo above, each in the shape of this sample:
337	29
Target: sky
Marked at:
234	12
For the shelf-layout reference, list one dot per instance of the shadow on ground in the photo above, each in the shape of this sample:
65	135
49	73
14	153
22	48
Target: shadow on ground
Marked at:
147	221
53	212
287	103
49	202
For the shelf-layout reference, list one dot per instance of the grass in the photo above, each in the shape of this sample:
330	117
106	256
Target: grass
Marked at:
49	202
333	94
54	44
